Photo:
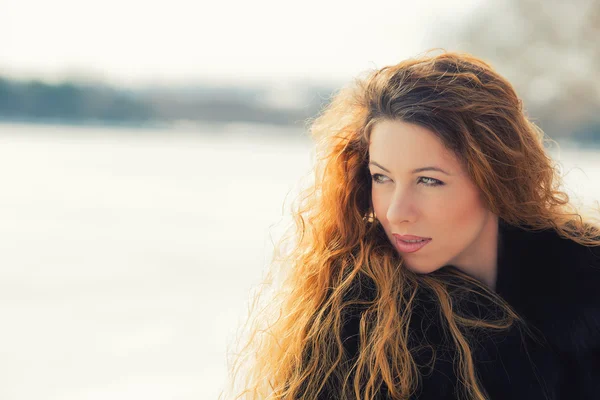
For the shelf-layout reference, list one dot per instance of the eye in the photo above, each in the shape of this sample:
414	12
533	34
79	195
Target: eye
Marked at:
431	182
377	178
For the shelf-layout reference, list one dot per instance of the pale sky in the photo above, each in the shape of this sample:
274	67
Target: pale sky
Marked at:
135	42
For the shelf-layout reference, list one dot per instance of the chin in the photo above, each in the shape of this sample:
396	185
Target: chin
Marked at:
421	269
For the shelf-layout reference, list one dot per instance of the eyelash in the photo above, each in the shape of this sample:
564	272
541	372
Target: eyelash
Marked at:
435	183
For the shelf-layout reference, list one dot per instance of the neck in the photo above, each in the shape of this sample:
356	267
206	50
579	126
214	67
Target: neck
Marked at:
481	259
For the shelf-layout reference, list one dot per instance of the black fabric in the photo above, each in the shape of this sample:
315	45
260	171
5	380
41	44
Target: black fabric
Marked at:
551	282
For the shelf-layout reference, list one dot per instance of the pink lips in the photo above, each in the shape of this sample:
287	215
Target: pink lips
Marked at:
405	247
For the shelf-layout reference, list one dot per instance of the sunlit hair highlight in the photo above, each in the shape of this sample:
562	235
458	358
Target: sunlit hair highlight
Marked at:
336	262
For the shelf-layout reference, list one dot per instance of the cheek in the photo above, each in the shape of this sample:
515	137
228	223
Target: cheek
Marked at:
462	210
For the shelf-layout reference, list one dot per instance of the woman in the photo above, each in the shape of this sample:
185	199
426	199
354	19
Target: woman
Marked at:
435	255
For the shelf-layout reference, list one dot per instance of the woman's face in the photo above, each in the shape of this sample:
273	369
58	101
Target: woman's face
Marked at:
410	199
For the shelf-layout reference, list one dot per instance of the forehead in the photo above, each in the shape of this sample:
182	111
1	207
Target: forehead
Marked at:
399	144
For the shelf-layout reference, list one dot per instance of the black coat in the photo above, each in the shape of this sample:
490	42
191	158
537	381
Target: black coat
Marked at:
554	284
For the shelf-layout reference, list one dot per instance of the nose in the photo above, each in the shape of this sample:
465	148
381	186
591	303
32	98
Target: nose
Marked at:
401	208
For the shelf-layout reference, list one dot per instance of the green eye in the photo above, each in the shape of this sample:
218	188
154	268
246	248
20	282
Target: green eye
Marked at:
376	178
431	182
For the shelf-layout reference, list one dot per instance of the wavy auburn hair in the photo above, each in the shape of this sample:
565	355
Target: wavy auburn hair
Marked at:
337	260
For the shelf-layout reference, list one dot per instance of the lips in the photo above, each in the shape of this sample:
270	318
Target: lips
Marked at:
407	247
409	237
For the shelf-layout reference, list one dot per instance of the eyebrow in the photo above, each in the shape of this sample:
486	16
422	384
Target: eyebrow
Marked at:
414	171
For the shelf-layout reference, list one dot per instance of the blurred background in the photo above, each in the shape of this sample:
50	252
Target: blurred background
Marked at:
149	152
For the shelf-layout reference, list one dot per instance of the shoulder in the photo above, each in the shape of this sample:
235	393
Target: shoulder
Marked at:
562	268
549	264
578	288
561	279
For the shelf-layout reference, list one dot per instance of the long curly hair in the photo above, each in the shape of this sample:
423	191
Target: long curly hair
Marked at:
336	258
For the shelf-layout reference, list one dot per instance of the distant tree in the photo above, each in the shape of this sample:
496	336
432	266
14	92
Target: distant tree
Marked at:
70	102
8	96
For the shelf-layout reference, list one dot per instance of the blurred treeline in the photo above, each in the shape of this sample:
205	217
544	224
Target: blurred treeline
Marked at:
71	102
